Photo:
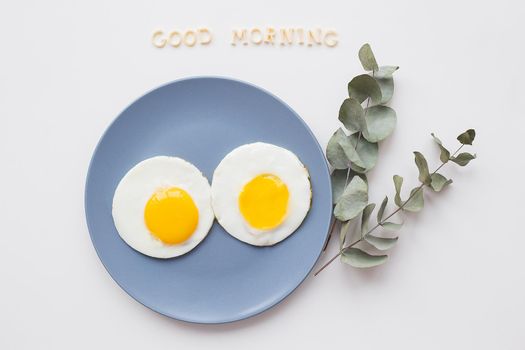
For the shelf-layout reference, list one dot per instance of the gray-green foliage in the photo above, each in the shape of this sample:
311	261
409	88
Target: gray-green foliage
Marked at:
358	257
463	159
444	156
353	200
353	152
351	114
338	184
366	56
381	243
381	211
335	153
467	137
367	152
365	218
422	165
364	116
364	87
438	182
380	122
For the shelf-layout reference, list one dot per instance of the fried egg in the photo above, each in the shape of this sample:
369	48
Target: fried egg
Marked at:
162	207
260	193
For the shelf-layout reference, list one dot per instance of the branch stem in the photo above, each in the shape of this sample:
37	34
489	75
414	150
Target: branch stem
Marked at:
334	220
384	220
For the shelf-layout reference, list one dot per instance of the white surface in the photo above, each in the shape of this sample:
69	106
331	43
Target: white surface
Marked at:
456	279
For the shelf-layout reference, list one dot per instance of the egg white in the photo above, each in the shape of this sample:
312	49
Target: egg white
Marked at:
239	167
136	188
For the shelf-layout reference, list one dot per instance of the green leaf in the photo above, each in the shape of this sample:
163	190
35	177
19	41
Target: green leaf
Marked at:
345	228
350	151
445	154
391	226
366	217
357	258
366	56
352	115
353	200
362	176
338	183
439	182
387	88
467	137
380	123
398	183
385	72
364	86
381	210
463	159
380	242
367	152
334	152
358	169
416	201
421	162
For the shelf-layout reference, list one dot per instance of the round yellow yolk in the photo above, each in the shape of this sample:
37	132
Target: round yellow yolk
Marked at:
171	215
264	201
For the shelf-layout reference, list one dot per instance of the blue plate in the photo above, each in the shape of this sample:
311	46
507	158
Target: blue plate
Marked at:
201	120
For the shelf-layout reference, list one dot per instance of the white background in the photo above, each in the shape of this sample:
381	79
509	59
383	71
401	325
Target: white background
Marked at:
456	279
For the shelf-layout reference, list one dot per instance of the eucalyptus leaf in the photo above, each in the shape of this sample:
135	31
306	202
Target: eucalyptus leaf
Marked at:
350	151
398	183
366	217
387	88
444	156
366	56
357	258
362	176
422	165
338	183
340	177
380	123
385	72
416	201
439	182
463	159
352	115
358	169
467	137
345	228
391	226
334	152
364	86
367	152
381	210
353	200
380	242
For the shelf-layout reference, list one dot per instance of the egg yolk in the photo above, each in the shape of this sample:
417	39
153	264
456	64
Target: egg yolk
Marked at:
263	201
171	215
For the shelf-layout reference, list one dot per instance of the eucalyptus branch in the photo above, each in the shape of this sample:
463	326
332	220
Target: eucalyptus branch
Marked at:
334	220
352	152
384	220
